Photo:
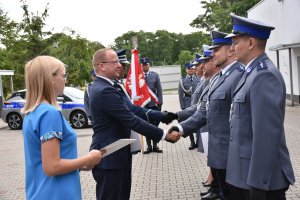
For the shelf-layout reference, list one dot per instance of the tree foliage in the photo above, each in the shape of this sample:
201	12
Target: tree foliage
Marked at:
217	13
76	53
163	47
184	57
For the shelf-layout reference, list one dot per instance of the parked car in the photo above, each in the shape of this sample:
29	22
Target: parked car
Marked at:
71	103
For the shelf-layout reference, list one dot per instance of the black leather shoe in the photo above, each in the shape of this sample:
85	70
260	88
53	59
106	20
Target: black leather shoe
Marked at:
157	150
211	196
207	184
193	146
149	150
204	193
135	152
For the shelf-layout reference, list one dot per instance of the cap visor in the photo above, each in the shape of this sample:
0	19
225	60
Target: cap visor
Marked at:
214	46
230	35
205	58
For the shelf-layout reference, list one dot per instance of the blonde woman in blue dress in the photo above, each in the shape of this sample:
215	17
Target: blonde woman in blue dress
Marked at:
50	144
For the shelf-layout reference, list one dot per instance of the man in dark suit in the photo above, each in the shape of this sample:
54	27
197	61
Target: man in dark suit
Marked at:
259	165
112	120
153	82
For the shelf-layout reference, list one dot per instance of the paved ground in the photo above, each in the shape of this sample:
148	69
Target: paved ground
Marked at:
175	174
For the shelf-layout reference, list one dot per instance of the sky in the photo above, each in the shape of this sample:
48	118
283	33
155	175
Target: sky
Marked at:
105	20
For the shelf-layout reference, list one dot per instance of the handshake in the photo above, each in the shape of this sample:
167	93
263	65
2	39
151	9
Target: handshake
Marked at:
173	134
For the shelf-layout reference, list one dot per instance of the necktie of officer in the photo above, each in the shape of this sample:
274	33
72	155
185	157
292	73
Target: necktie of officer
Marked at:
146	75
191	78
211	85
214	79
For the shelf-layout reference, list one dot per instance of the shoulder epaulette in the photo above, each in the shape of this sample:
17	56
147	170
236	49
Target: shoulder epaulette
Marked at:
262	65
240	68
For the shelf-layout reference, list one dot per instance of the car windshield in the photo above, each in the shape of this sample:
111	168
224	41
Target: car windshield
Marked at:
74	93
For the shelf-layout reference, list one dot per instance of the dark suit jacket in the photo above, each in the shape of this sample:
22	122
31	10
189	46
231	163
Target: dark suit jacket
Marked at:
258	155
113	120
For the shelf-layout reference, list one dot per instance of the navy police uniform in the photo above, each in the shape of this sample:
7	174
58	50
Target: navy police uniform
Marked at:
197	93
188	115
187	86
258	157
153	82
194	100
218	110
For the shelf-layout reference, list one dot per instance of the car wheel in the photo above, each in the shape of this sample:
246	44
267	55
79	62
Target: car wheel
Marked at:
14	121
78	119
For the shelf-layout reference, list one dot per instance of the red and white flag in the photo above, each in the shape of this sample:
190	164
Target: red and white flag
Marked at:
136	85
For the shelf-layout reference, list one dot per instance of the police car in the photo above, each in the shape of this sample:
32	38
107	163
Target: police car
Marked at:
71	103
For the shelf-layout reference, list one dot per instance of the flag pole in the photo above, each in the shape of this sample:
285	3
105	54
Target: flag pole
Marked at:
134	41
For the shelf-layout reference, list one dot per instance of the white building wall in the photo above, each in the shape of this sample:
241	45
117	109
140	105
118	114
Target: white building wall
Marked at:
169	75
284	15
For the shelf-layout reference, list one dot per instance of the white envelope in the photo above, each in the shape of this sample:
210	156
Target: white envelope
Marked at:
115	146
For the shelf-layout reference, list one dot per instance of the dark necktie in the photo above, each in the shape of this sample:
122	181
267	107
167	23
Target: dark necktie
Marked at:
146	75
191	78
116	84
213	80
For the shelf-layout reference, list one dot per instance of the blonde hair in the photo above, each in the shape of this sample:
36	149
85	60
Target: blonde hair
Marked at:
38	80
99	56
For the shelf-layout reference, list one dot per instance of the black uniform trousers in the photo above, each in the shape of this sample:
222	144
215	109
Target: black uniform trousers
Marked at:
220	176
118	180
148	139
256	194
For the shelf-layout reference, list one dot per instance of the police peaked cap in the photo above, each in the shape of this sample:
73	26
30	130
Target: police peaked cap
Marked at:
122	56
218	39
197	59
251	27
145	60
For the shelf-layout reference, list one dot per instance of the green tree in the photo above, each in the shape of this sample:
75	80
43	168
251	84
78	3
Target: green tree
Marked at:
162	46
76	53
27	39
8	30
184	57
21	42
217	14
194	41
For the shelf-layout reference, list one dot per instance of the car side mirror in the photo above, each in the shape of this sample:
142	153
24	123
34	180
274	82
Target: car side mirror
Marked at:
60	99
